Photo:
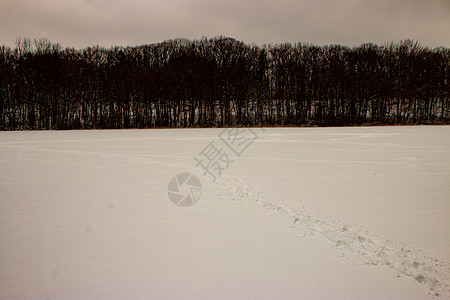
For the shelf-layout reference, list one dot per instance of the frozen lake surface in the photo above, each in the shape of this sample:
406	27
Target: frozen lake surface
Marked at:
296	213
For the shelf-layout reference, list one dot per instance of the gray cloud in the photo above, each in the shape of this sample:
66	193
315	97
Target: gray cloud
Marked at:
80	23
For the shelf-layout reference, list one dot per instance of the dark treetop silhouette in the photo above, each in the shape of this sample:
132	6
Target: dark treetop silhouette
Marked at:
221	82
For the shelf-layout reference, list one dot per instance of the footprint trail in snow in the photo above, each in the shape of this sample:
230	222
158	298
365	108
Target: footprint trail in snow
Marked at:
356	244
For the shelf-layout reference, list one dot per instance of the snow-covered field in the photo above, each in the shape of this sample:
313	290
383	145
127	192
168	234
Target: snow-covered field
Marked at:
303	213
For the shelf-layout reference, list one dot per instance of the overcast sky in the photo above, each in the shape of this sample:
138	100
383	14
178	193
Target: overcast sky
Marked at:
81	23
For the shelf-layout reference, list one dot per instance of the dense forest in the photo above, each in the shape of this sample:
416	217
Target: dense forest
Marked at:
221	82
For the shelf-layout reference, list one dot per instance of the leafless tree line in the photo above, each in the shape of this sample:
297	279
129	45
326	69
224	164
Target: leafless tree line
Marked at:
221	82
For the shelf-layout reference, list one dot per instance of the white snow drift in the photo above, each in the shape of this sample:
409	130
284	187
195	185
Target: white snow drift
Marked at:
303	213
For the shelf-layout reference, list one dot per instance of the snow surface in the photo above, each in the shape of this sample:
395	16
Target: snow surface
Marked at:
303	213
